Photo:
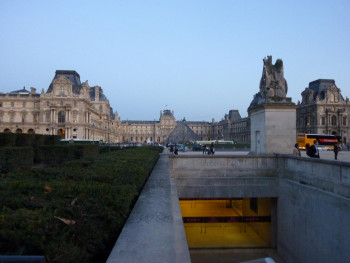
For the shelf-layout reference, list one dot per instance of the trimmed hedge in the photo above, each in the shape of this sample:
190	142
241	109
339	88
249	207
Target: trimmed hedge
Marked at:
14	159
27	140
57	154
73	212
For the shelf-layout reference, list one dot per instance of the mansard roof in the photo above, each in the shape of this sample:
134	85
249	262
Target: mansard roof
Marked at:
321	85
92	93
168	113
72	76
234	115
21	91
130	122
197	123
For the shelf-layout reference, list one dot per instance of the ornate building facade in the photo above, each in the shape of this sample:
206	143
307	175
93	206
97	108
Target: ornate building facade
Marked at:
323	110
68	108
75	110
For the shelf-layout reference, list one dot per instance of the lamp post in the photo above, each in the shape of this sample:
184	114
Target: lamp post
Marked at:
93	132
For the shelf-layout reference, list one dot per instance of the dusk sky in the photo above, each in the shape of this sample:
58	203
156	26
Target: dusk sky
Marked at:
199	59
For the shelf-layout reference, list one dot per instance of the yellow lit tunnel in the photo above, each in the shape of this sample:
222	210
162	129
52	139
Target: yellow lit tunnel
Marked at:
227	223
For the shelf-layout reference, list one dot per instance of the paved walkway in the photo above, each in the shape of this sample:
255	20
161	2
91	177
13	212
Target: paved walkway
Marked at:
154	230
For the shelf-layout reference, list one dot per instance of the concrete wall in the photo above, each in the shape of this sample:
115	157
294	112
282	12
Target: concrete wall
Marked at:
313	198
224	177
313	210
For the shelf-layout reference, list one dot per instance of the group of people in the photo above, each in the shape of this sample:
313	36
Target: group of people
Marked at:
313	151
174	149
210	150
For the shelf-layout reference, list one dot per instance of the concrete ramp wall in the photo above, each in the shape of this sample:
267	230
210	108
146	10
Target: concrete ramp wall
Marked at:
313	210
224	176
310	214
313	198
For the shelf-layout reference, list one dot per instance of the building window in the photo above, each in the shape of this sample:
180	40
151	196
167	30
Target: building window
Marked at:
12	117
35	117
47	103
47	117
75	103
61	90
61	116
334	120
0	117
323	121
61	103
24	104
12	104
344	121
75	117
0	104
100	108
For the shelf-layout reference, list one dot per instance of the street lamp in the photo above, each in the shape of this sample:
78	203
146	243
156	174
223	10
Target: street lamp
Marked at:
93	132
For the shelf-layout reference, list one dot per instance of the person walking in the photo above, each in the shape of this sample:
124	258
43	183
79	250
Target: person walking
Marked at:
176	150
336	150
296	150
204	149
212	150
313	150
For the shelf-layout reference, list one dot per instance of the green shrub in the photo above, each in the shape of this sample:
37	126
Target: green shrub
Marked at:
15	158
26	140
95	195
58	154
7	139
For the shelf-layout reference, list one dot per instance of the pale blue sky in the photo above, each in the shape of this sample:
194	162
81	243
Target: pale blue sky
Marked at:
200	58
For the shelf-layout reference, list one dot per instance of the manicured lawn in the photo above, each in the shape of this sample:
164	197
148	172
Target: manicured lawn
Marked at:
74	212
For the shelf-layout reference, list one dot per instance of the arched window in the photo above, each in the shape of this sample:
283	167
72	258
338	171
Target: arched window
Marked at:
61	116
344	121
334	120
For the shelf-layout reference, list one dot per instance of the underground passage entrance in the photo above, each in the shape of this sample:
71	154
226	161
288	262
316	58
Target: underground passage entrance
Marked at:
227	223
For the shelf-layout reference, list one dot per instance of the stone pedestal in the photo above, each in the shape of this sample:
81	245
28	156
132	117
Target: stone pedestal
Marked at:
272	128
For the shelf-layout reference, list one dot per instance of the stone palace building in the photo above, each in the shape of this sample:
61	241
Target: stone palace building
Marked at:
75	110
323	110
